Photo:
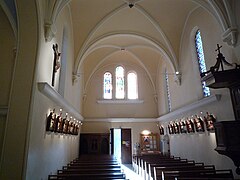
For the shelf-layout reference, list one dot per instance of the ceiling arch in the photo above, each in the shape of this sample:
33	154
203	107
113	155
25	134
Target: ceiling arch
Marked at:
143	38
10	11
153	24
135	57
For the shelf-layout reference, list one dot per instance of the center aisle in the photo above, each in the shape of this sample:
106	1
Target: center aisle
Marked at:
129	172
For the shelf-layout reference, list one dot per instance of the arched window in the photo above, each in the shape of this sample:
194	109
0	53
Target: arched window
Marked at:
107	85
201	61
114	85
132	85
120	83
168	91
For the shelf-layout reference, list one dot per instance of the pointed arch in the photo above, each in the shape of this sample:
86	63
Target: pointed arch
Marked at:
120	82
107	85
135	57
132	85
223	13
10	16
201	61
173	63
52	9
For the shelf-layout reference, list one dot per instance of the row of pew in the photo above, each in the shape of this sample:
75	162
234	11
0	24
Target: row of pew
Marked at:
90	167
162	167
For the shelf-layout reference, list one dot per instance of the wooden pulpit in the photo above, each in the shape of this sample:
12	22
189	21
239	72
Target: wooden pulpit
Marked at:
227	132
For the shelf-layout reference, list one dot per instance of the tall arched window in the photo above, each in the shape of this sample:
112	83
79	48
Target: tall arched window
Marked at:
120	83
107	85
201	61
168	91
132	85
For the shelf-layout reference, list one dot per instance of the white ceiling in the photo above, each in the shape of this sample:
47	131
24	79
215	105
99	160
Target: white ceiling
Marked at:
150	30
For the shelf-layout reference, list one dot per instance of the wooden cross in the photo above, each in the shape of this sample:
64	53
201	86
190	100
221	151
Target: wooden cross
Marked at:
218	48
56	62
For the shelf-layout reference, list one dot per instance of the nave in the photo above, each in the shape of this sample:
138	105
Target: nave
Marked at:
144	167
117	64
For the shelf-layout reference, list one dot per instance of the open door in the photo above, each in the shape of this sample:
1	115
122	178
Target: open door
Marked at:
126	146
112	141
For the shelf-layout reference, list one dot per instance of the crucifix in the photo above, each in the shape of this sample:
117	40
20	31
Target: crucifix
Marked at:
56	62
220	61
218	48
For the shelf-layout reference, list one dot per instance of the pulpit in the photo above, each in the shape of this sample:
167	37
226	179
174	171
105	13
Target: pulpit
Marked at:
227	132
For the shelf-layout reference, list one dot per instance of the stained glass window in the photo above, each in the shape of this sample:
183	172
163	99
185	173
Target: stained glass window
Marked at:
120	82
132	85
107	86
201	61
168	91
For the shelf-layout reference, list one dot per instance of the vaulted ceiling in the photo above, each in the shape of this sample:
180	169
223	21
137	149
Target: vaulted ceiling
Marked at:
141	30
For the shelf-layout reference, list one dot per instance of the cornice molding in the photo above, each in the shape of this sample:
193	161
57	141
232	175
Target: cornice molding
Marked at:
54	96
190	107
118	101
129	120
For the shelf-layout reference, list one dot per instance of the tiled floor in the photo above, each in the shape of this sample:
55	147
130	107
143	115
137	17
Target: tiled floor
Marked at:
130	174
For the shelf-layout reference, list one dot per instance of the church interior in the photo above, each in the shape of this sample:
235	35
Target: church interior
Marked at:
74	73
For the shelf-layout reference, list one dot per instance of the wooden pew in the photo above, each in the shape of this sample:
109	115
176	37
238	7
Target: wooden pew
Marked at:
142	162
90	168
149	169
103	176
142	159
98	166
216	174
158	171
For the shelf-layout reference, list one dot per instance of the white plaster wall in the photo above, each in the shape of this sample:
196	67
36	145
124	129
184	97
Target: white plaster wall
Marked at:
94	92
199	146
190	89
48	152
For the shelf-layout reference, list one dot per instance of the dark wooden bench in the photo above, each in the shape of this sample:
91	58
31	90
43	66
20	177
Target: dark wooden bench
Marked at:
138	158
93	166
217	174
140	161
90	168
158	171
149	170
87	176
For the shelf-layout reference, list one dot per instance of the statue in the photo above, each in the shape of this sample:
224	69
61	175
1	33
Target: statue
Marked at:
56	62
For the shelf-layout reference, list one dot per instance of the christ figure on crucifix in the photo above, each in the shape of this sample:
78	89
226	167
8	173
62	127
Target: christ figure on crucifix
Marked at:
56	62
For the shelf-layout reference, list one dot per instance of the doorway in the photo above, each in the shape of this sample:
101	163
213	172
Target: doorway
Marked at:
121	145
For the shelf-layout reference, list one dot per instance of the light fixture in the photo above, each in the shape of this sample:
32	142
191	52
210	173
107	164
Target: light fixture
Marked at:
131	5
146	132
